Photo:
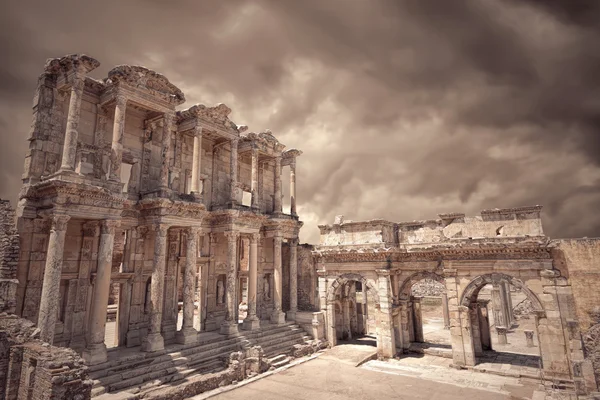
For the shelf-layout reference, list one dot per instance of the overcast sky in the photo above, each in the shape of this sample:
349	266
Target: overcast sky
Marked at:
404	109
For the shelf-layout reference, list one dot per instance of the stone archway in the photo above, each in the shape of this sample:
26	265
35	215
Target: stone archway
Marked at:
404	290
410	322
377	290
466	330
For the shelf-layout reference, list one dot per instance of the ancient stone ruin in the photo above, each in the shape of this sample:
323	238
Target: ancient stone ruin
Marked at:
150	256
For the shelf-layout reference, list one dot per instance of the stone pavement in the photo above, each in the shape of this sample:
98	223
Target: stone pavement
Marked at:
333	375
438	369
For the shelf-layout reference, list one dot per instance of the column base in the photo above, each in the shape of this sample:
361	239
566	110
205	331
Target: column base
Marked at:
277	317
251	323
187	336
228	328
291	315
153	342
94	354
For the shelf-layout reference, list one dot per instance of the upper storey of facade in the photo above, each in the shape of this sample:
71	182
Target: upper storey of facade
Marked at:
100	146
449	230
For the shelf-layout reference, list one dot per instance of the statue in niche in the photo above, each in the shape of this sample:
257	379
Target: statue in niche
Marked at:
220	292
266	288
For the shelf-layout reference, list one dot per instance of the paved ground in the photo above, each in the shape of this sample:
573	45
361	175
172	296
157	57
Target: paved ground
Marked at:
334	376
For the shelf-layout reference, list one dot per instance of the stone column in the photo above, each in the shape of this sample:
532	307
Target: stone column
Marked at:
230	325
254	182
418	320
277	317
386	337
49	301
498	305
445	311
95	351
197	161
277	196
484	324
529	338
233	170
154	341
116	155
166	151
252	322
507	303
70	146
293	188
293	279
188	334
501	330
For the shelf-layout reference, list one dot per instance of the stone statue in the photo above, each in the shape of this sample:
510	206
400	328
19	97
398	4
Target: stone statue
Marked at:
266	288
220	292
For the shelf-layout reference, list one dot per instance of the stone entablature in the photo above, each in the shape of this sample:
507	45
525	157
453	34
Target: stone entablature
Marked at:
450	229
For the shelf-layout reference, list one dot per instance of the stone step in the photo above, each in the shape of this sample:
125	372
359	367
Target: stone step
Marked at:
282	348
295	337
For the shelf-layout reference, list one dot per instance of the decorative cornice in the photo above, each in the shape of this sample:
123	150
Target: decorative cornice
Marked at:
147	80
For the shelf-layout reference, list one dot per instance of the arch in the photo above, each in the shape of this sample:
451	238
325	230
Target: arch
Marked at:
404	292
470	292
341	280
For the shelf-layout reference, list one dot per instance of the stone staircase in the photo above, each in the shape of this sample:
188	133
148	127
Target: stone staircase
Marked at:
132	374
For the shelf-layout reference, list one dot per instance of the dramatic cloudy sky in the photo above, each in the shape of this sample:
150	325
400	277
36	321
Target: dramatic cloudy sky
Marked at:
404	109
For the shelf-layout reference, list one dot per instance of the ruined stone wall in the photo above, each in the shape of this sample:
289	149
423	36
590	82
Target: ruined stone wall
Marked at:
497	223
9	257
31	369
579	259
428	287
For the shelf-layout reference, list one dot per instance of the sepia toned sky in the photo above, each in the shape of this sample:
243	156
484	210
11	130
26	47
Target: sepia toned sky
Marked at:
403	109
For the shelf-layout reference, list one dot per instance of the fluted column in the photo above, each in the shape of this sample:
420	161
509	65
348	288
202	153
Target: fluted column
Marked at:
278	317
49	301
277	196
233	170
229	326
154	341
197	160
252	322
293	188
254	181
116	155
95	351
188	334
70	145
293	279
166	151
445	311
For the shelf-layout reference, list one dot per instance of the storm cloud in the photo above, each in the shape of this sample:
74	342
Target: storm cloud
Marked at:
404	109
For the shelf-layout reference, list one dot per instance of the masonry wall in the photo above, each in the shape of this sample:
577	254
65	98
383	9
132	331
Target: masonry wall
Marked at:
579	259
9	256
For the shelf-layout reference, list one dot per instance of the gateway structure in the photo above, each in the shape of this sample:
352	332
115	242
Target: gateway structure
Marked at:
379	261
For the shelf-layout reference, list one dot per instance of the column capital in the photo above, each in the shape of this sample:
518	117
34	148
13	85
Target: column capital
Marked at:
192	231
59	222
109	226
235	141
383	272
293	242
160	229
198	130
231	235
168	119
121	100
254	237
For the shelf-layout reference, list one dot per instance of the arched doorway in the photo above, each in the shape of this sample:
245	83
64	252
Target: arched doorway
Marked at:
354	308
489	327
425	321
